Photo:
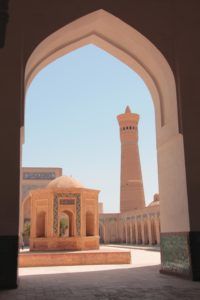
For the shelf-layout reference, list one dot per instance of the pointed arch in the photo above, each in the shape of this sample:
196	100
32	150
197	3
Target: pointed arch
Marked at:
128	45
132	48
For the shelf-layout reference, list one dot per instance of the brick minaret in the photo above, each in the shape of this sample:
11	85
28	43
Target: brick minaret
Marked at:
131	190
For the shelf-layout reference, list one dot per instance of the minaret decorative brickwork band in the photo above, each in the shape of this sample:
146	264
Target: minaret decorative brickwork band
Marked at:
131	190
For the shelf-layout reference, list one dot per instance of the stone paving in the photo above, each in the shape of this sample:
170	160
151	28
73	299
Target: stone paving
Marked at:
140	280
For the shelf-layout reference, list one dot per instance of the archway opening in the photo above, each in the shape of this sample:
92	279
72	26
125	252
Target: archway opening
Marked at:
161	84
66	224
41	225
90	228
108	131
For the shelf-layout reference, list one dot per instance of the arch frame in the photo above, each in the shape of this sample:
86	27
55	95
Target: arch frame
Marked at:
109	33
129	46
138	53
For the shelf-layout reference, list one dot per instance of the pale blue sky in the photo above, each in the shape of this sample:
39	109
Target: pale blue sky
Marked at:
70	121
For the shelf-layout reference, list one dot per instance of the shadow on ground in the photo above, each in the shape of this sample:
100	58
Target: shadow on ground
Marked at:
132	283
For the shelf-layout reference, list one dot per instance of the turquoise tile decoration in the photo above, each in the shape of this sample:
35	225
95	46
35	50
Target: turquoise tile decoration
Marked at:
175	253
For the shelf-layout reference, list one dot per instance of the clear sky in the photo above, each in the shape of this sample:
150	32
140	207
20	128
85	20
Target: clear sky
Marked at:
70	121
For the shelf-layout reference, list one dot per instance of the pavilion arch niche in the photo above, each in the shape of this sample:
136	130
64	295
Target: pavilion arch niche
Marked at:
136	51
90	224
66	222
41	224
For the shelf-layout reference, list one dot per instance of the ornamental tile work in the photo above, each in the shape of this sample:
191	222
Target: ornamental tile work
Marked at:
39	175
66	199
55	214
175	253
78	215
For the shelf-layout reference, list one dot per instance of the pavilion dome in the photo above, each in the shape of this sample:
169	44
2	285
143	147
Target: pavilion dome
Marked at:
64	182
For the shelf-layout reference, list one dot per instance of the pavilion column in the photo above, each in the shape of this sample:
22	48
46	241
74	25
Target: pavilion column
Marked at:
149	230
126	232
120	231
108	232
123	234
103	233
131	232
136	232
142	229
116	231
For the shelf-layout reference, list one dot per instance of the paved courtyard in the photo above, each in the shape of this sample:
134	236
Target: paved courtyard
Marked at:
140	280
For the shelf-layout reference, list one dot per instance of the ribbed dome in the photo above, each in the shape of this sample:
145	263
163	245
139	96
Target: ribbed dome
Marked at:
64	182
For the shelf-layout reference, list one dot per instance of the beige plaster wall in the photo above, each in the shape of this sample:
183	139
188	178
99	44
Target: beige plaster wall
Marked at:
172	186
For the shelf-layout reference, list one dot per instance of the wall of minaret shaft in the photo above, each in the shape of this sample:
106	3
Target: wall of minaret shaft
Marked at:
131	187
